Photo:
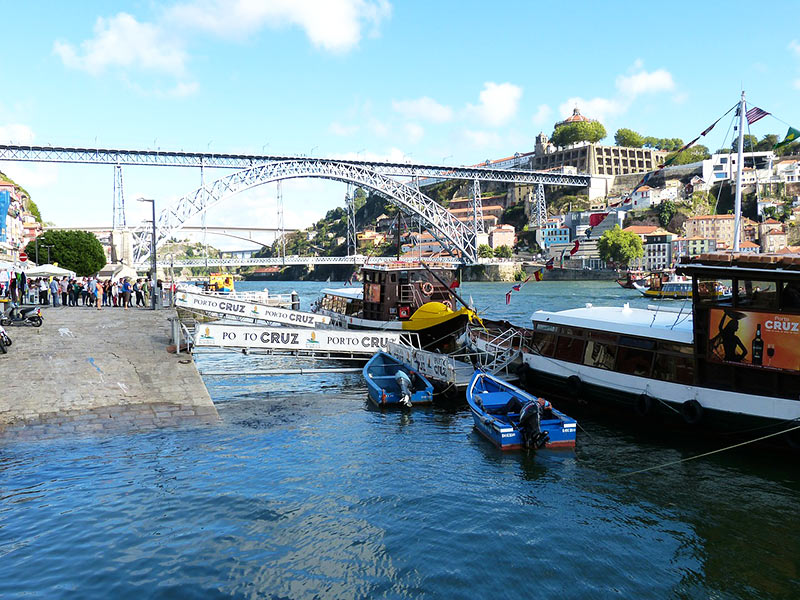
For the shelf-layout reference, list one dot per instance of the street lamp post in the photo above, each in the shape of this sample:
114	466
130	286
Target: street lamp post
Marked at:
48	253
153	281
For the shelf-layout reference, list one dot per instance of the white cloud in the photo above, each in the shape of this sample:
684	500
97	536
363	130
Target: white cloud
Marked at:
542	115
414	132
481	139
123	42
794	46
498	103
423	108
629	88
378	128
333	25
339	129
16	133
596	108
31	176
645	83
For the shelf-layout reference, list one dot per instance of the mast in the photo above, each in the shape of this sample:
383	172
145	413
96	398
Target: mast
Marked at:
737	221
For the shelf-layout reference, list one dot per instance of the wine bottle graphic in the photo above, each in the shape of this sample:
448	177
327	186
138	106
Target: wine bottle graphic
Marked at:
758	347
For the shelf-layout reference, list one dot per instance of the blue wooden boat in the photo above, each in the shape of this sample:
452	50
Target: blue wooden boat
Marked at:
513	419
390	382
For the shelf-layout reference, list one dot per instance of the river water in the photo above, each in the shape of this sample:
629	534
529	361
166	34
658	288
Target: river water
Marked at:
304	491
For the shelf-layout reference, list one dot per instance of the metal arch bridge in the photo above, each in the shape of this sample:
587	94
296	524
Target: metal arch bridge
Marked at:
357	259
258	170
456	234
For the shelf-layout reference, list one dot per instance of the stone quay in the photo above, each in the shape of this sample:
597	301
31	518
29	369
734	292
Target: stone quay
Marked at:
89	371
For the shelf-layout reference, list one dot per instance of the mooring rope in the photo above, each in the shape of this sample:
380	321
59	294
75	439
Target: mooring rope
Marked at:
676	462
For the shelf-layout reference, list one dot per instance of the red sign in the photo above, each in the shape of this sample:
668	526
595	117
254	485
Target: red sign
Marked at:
755	338
23	257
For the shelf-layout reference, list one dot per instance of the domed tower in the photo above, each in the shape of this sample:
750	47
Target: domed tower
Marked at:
576	117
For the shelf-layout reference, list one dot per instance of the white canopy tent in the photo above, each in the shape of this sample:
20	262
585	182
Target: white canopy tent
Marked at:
48	270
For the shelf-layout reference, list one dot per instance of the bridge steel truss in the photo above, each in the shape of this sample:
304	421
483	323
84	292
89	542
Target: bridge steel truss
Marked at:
458	235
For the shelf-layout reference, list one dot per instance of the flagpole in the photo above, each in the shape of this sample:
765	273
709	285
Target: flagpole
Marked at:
738	199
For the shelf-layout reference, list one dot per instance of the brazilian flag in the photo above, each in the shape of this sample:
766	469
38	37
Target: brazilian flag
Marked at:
791	136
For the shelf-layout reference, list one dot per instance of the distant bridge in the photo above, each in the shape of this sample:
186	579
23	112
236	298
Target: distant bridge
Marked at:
357	260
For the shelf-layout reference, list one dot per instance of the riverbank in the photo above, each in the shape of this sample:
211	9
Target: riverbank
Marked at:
86	370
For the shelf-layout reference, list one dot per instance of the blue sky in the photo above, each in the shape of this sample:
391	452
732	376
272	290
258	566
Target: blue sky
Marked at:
444	82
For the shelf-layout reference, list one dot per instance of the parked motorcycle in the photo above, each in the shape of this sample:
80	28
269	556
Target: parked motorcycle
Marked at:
22	316
5	341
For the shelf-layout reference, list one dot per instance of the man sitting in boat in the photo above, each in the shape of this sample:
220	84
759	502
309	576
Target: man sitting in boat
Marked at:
530	418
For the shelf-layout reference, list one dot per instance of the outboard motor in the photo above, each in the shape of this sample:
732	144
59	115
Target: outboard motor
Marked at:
404	382
530	418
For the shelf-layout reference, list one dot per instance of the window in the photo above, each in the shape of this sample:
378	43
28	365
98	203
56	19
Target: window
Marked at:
790	295
634	361
599	354
676	369
756	294
569	349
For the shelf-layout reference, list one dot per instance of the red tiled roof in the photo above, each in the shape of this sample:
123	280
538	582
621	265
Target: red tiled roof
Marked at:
641	229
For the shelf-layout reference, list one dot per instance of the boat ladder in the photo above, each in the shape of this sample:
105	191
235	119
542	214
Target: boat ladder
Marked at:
501	352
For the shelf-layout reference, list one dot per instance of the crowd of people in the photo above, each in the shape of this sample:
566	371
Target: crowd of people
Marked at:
80	291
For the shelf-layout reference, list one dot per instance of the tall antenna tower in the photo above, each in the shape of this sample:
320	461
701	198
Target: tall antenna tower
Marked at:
118	209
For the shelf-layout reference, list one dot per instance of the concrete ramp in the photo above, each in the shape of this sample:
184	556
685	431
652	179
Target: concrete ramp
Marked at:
89	370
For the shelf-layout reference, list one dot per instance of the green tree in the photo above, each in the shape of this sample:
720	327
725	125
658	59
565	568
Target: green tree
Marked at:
749	143
78	251
620	247
628	138
360	198
503	252
34	210
767	142
485	251
588	131
690	155
666	211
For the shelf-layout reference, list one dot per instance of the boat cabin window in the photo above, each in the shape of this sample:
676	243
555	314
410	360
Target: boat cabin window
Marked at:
756	294
714	292
569	349
633	342
544	343
634	361
790	295
675	369
600	355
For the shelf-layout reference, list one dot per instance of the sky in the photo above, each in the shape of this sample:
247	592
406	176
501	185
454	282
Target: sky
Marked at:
446	82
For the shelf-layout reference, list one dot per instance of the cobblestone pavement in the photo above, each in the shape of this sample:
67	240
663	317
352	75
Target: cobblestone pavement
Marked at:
91	370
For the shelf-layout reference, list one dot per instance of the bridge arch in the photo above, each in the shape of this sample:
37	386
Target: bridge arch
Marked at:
436	218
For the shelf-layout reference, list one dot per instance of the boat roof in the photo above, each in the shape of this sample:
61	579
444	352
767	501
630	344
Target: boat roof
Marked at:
351	293
409	266
743	265
664	325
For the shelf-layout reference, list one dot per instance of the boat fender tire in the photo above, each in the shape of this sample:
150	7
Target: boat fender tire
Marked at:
574	386
643	406
692	412
427	288
448	304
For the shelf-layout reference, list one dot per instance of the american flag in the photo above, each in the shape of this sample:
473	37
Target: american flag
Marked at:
754	114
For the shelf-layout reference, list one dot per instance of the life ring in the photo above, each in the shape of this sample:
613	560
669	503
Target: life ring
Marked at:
692	412
427	288
643	406
448	304
574	386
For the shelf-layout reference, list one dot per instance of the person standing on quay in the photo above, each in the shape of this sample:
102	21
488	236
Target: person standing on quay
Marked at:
127	288
63	287
54	291
146	293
